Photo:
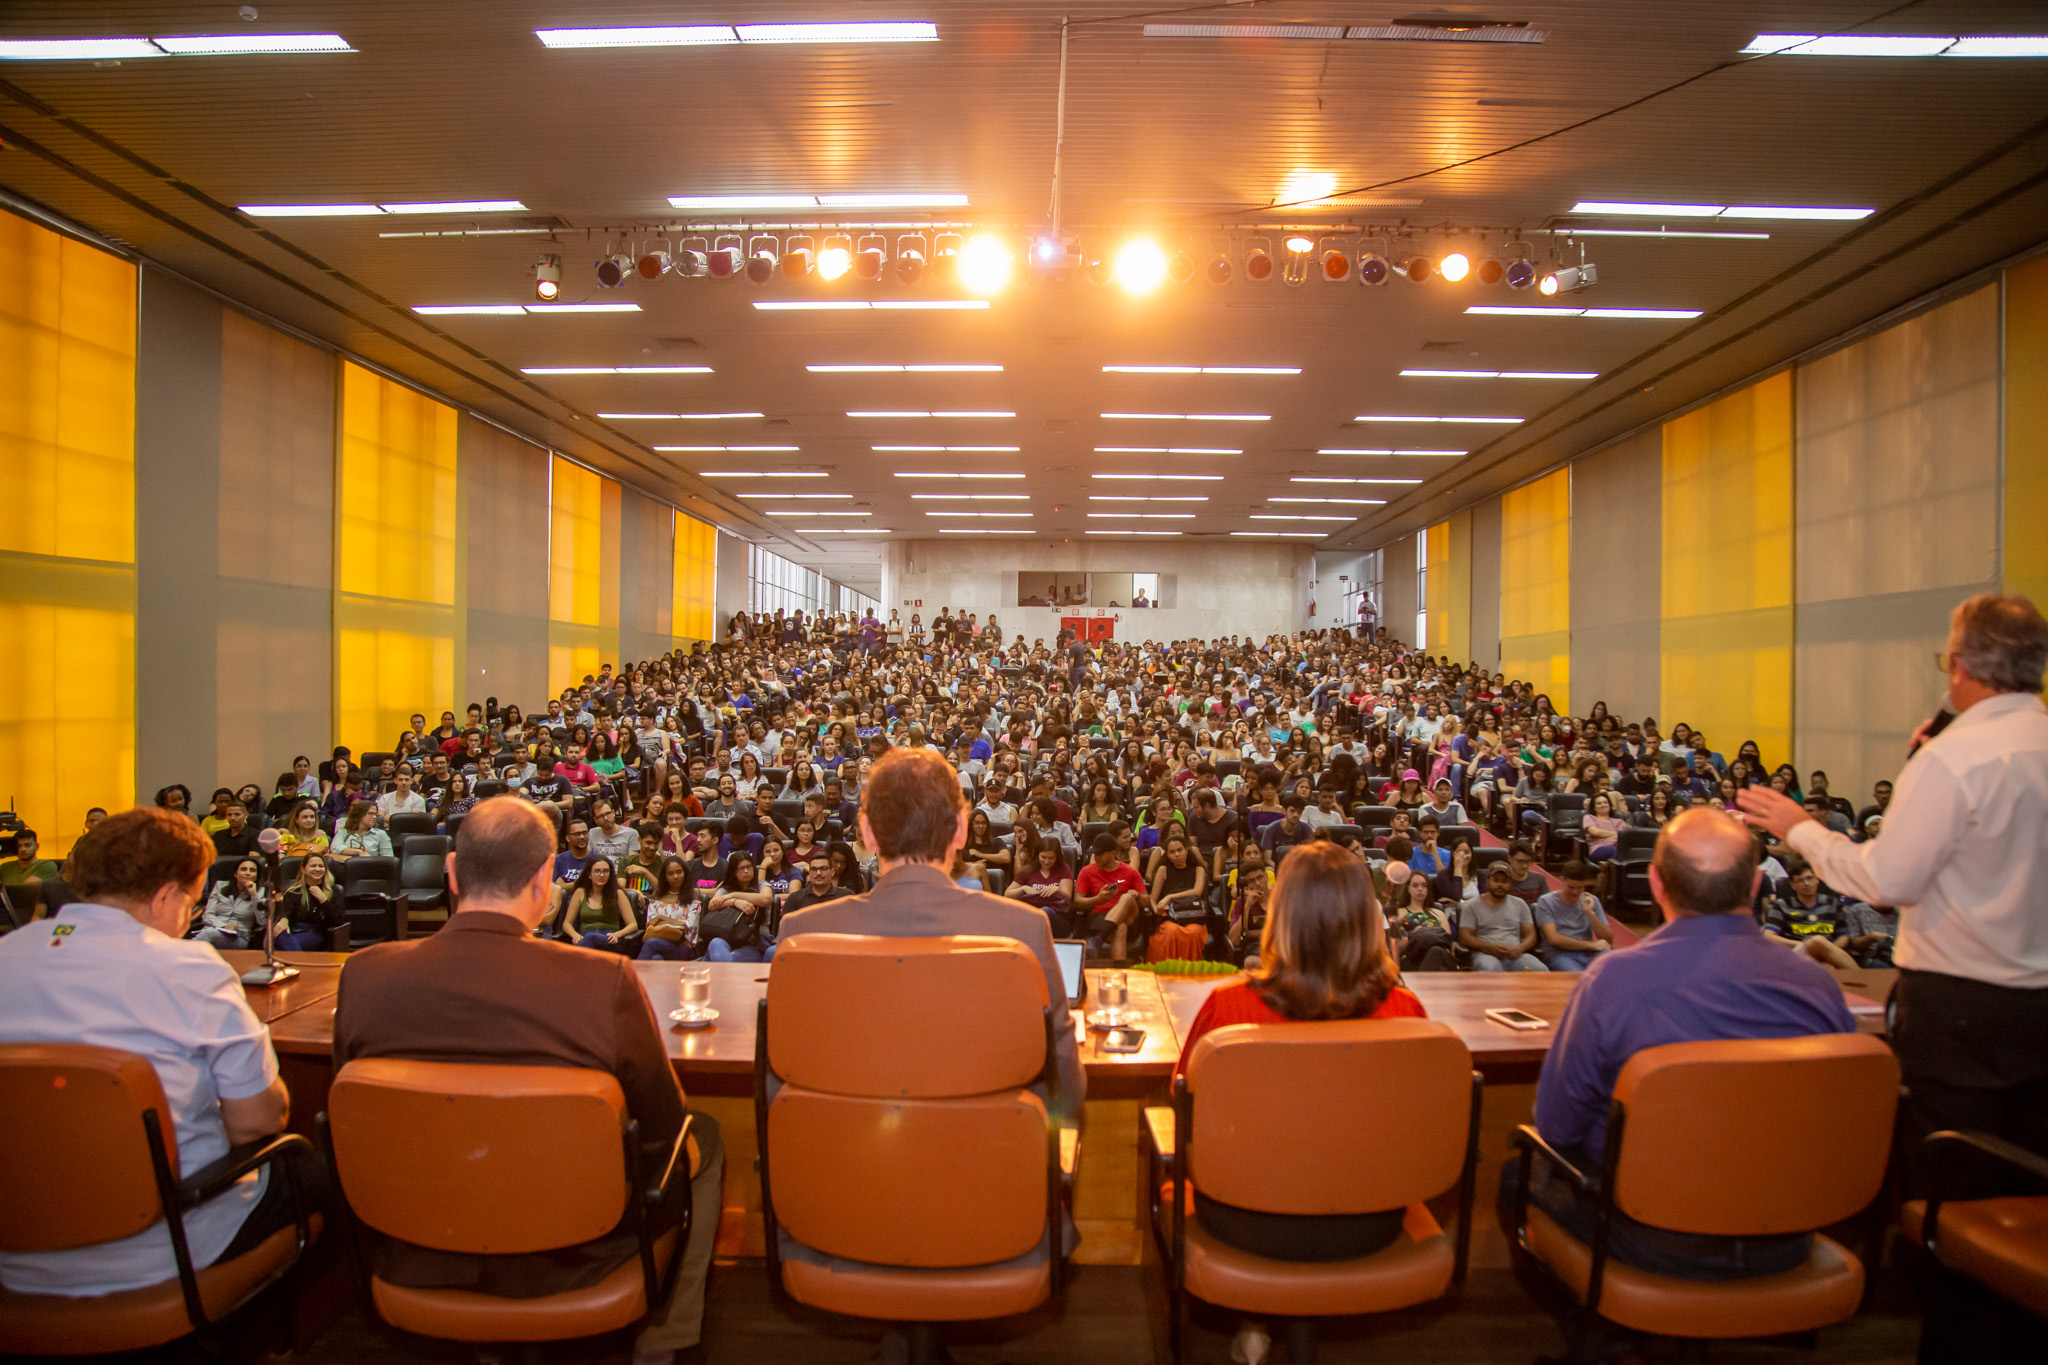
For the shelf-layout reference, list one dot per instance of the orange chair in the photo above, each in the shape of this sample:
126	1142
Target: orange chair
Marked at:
468	1159
2001	1243
104	1112
1347	1117
903	1152
1696	1139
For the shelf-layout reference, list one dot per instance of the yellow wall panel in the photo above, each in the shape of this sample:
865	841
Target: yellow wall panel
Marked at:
2026	430
67	735
696	559
395	492
383	675
1436	588
1727	589
67	396
1535	586
583	574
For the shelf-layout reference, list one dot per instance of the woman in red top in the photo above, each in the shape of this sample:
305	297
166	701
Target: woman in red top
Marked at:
1323	956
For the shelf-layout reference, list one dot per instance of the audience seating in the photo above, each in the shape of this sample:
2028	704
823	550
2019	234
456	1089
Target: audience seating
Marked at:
1347	833
451	826
1564	819
490	787
20	903
1685	1137
2002	1243
376	910
1355	1116
908	1171
423	877
1632	869
428	1152
1090	832
406	825
100	1114
1370	817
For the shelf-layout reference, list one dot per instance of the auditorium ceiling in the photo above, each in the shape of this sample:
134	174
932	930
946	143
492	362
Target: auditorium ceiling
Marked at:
1516	131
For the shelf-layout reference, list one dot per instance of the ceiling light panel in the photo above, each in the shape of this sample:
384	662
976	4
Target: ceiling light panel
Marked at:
676	416
1167	450
1142	497
1296	516
806	512
1487	421
896	413
928	474
1316	534
1898	45
718	35
1303	478
985	531
1345	450
724	203
1509	311
741	450
970	450
970	497
1121	531
615	369
813	497
1347	502
1188	416
757	473
202	45
1200	369
1145	516
904	369
513	310
858	305
1165	478
1500	374
1624	209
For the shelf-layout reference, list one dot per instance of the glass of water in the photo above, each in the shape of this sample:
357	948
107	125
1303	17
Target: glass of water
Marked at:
1113	992
696	988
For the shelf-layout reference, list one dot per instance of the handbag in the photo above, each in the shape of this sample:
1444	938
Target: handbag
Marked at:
730	923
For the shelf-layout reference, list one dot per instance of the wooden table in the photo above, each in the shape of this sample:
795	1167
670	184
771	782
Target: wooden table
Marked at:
318	979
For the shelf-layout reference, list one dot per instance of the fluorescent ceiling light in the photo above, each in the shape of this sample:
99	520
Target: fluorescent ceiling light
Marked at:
904	369
1166	450
811	497
745	450
1500	311
1140	497
690	35
582	307
1316	534
846	530
930	414
852	305
1176	478
1296	516
676	416
1617	208
973	450
839	33
1145	516
1189	416
1346	502
495	310
929	475
978	514
76	49
1491	421
1866	45
459	206
802	512
310	210
1302	478
615	369
758	473
1500	374
1668	232
250	44
720	203
985	531
1350	451
1200	369
1118	531
971	497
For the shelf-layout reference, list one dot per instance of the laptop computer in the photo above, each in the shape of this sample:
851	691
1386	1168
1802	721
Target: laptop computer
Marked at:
1069	953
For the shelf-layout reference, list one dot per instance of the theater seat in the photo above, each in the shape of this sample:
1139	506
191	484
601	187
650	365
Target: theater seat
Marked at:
446	1155
103	1111
2001	1242
1686	1133
909	1170
1345	1117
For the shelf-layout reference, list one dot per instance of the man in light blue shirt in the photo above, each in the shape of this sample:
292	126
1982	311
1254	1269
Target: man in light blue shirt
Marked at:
1571	927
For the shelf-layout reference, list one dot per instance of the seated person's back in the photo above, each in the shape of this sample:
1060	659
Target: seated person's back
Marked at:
113	969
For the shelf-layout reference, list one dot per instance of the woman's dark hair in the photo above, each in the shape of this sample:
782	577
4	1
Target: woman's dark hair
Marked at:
731	880
609	897
661	882
851	877
1323	954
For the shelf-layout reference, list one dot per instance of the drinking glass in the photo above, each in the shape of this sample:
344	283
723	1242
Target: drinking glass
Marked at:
1114	993
696	987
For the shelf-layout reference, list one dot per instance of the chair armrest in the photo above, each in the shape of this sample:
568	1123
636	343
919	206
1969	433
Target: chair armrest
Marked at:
679	1152
210	1179
1984	1144
339	938
1526	1138
1159	1131
1070	1153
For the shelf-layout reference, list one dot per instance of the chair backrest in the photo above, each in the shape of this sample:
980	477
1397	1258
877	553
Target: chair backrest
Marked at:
779	778
20	902
1344	1117
430	1153
425	861
754	841
453	826
84	1105
288	869
1483	858
369	876
1567	812
406	824
490	787
1341	833
1228	767
1714	1133
1636	841
1090	832
903	1133
1259	819
1371	816
223	869
1450	834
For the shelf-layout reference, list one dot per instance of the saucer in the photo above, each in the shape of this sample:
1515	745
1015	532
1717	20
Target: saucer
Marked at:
682	1020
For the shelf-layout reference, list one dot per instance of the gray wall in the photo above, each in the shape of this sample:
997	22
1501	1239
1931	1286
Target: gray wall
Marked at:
647	586
503	542
1397	611
1486	584
1617	582
729	586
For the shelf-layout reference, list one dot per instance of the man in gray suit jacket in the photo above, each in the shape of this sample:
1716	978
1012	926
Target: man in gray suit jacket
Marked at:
912	813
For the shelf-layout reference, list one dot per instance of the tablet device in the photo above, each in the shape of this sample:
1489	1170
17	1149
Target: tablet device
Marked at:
1069	953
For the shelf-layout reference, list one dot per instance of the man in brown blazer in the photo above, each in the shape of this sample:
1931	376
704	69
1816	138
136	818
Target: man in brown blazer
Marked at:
485	990
913	814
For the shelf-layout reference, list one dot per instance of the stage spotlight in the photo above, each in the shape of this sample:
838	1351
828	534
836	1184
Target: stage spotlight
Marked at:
910	253
725	258
1181	269
1056	251
835	258
1568	280
1455	266
1258	266
1519	274
1101	271
946	257
1374	269
1217	271
654	260
691	259
1418	268
547	278
761	259
1489	270
985	264
799	256
1336	266
1300	246
614	266
867	258
1140	266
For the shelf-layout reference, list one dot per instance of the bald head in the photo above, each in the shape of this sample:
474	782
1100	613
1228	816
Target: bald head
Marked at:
502	849
1705	864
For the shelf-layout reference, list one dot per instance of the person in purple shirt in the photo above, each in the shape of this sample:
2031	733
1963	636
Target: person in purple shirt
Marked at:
1707	973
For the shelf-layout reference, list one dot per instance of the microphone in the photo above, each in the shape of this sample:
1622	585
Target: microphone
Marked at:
1941	720
270	971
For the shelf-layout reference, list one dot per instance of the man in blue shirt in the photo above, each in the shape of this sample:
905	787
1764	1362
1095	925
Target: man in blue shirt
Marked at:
1708	973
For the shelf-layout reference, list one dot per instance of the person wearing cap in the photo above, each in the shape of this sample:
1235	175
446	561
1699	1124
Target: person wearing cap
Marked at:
1110	891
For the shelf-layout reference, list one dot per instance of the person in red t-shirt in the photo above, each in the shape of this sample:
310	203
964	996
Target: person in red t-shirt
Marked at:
1323	956
578	774
1112	894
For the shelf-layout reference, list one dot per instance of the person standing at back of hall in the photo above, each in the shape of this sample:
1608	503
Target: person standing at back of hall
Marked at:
1963	852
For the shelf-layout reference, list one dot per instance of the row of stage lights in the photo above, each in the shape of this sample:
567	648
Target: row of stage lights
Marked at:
983	263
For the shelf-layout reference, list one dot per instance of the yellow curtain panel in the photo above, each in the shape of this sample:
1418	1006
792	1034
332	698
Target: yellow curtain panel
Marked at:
583	554
1535	586
2026	430
394	561
67	543
1727	591
696	565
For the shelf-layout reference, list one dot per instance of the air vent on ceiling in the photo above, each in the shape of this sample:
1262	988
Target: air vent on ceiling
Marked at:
678	343
776	422
1443	348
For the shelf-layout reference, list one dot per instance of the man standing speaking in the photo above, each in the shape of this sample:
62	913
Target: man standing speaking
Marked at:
1964	855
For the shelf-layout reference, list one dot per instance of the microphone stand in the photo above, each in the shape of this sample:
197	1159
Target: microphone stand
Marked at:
270	971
